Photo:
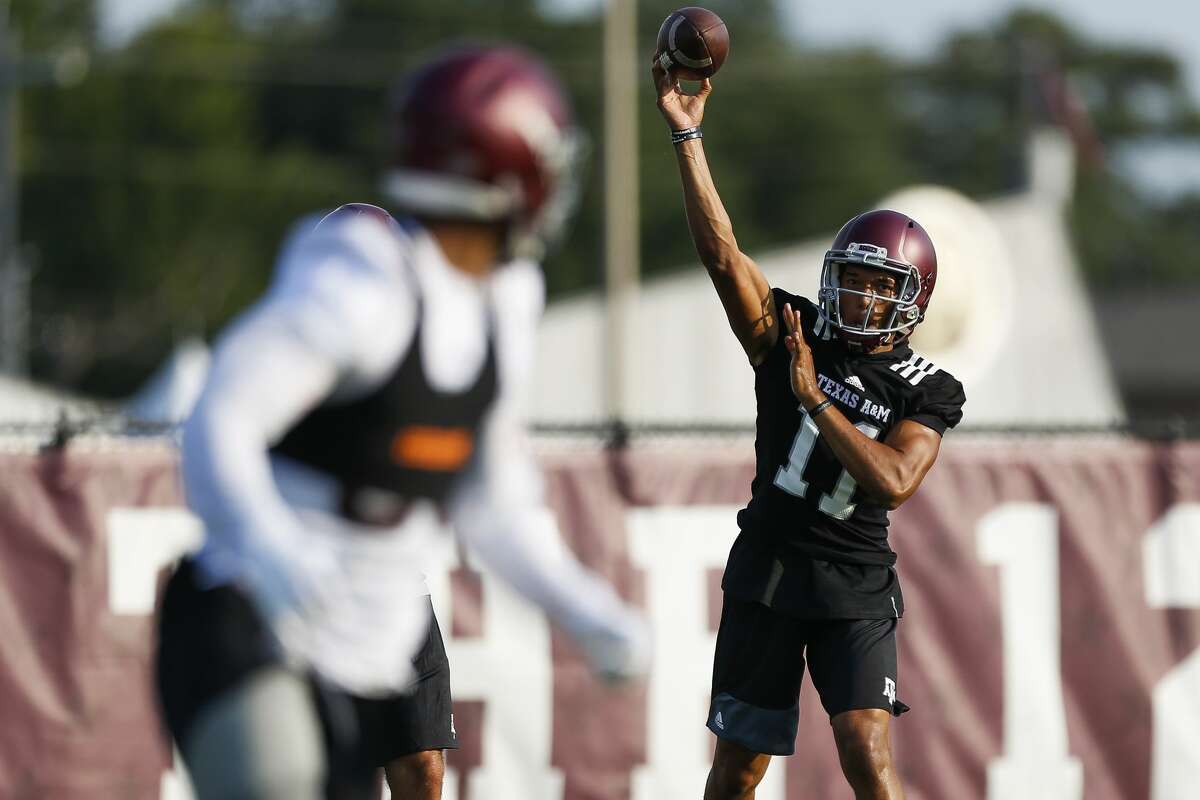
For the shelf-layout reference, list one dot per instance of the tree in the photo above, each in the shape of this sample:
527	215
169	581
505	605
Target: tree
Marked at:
156	192
982	92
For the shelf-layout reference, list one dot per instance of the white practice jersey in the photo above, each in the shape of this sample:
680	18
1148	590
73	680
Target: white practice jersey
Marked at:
340	316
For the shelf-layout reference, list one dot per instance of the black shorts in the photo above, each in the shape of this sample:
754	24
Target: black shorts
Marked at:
424	720
759	663
211	640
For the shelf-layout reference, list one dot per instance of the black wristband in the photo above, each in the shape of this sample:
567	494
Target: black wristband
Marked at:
819	407
686	134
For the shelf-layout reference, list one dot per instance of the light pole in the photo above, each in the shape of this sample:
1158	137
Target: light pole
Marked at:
620	197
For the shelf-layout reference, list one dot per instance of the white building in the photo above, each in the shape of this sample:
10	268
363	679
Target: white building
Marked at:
1010	318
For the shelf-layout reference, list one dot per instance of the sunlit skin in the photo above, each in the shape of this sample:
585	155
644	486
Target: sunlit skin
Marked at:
417	776
879	282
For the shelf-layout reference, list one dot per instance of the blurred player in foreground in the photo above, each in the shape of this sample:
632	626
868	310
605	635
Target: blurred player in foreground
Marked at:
850	419
370	394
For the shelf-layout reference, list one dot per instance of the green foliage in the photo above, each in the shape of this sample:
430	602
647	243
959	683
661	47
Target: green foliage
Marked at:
153	207
978	97
1125	242
156	192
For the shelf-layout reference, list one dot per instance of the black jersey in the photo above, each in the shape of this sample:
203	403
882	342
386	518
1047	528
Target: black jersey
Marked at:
806	512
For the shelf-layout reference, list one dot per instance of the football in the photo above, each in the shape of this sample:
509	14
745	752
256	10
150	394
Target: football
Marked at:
693	43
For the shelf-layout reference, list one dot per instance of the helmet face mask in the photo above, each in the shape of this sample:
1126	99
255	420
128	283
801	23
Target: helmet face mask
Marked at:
901	316
884	242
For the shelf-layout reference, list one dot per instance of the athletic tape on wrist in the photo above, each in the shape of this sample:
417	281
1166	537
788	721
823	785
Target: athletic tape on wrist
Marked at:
686	134
819	407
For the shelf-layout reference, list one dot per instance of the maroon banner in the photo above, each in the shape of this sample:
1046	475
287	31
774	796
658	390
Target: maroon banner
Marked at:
78	718
1050	649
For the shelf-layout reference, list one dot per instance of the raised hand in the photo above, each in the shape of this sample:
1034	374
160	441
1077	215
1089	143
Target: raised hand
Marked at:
680	109
803	374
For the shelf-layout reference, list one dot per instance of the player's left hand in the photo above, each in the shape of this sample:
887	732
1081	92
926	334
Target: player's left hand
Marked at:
803	373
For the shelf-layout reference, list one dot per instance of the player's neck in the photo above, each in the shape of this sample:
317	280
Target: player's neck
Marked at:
473	247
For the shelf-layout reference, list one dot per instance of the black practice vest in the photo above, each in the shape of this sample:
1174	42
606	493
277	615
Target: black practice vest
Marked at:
403	441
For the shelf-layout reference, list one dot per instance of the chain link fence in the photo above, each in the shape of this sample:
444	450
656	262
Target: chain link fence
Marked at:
611	434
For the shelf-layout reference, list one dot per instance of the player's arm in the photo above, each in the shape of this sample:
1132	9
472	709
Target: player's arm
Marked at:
889	471
262	380
741	285
499	513
277	362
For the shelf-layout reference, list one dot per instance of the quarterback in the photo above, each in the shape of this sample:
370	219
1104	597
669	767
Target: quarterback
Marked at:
850	419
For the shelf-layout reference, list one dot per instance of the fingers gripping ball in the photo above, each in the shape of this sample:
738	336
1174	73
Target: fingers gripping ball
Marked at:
693	43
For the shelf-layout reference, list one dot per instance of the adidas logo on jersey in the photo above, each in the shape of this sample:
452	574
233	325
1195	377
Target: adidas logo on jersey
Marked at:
719	721
852	380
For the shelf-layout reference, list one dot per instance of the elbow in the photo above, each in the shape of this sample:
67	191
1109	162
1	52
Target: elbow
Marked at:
888	498
893	493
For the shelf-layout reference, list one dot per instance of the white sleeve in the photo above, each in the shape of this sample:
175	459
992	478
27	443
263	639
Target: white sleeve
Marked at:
346	295
317	331
499	513
498	510
263	379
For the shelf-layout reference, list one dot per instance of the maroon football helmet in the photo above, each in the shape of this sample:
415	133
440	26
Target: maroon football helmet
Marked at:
486	133
888	241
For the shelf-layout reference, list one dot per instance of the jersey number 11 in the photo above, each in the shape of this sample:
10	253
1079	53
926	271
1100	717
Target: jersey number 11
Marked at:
790	478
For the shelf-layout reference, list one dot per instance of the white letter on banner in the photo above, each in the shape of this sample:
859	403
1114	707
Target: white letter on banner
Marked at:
176	784
676	546
509	668
141	541
1171	568
1022	539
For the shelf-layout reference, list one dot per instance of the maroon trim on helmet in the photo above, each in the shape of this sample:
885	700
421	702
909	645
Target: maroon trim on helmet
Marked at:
489	114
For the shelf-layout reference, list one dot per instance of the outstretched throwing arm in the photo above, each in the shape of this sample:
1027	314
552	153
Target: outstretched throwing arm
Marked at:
740	284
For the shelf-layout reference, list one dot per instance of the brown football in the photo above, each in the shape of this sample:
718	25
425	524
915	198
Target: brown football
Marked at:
693	43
